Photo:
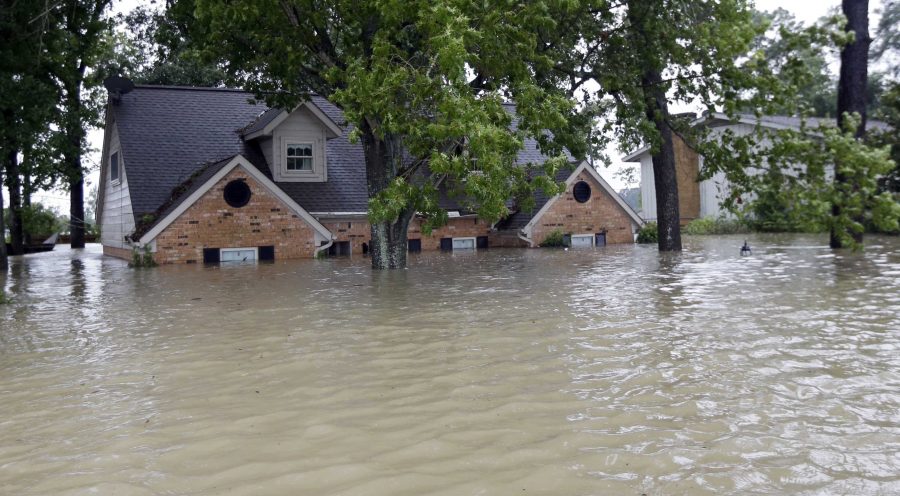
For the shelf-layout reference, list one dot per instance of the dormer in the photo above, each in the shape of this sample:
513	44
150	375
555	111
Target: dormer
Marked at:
294	142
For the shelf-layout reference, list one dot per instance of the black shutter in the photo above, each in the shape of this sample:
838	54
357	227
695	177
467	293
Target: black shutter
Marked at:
210	255
415	245
481	242
600	239
267	253
446	244
567	239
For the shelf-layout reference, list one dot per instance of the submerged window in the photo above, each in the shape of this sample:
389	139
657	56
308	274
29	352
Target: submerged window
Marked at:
581	191
114	167
582	240
237	255
463	244
299	157
237	193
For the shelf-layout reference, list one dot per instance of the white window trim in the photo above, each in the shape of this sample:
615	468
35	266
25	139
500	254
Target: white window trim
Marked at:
593	239
118	179
474	242
255	250
285	143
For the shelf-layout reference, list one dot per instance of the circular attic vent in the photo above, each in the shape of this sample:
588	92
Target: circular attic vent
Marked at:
237	193
581	191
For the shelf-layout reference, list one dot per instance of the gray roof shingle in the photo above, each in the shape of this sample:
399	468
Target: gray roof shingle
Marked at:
169	135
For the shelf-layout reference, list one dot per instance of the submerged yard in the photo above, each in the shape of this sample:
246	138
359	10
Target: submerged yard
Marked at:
607	371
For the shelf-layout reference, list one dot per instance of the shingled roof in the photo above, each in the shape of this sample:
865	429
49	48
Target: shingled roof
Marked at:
170	134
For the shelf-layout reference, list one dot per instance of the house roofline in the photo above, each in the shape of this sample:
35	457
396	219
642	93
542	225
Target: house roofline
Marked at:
584	166
233	163
330	125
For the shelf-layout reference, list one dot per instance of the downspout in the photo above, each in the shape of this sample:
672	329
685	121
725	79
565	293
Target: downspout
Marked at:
521	235
323	248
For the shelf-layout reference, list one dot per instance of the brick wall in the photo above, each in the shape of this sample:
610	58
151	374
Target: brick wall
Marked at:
600	213
358	232
123	253
212	223
687	168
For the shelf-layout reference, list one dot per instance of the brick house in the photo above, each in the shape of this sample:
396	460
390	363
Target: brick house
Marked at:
200	175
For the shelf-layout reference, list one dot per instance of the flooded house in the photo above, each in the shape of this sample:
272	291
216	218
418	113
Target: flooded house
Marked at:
202	175
705	198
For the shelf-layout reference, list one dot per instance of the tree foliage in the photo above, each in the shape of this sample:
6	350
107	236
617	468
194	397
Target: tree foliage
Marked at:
423	83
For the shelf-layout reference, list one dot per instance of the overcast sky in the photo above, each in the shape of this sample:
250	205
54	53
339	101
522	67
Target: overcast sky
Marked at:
807	11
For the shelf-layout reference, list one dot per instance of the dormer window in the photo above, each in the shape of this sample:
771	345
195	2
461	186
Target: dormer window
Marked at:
298	157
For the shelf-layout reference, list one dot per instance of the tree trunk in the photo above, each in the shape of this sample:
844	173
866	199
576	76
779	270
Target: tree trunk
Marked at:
26	194
665	178
14	186
656	110
389	238
76	211
72	164
852	87
4	263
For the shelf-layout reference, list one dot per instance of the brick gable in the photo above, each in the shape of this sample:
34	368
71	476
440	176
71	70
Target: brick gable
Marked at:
212	223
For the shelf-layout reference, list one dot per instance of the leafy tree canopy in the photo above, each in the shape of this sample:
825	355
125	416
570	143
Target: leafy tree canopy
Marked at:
423	82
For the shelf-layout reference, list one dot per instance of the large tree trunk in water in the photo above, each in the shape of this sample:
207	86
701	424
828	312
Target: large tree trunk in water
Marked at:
4	263
852	86
665	178
75	136
26	194
389	238
656	110
16	231
76	212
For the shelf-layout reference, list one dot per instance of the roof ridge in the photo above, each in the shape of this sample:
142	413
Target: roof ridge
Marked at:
188	88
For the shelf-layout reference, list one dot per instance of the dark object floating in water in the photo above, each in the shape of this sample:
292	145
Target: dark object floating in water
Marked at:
47	245
745	250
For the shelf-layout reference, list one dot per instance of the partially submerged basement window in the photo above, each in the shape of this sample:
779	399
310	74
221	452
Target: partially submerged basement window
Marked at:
582	240
463	244
237	255
339	249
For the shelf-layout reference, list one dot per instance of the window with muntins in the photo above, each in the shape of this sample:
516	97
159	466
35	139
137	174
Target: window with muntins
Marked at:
114	167
299	157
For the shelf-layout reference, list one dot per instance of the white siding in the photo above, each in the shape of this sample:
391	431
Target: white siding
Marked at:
118	217
300	127
648	188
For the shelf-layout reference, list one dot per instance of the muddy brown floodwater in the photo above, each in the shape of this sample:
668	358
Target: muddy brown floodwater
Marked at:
608	371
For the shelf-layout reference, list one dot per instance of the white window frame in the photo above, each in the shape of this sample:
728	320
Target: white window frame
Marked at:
118	178
474	243
295	142
255	250
593	240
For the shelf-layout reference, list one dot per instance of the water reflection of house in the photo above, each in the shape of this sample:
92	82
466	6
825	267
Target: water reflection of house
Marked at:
203	175
698	199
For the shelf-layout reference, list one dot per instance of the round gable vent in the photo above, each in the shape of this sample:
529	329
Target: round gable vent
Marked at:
581	191
237	193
